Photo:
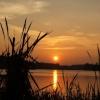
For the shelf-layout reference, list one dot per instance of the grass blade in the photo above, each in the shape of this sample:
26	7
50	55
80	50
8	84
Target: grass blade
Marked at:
44	88
2	31
63	77
34	80
90	57
24	27
7	27
29	27
98	54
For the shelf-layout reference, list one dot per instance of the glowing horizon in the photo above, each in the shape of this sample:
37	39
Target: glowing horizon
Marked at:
74	25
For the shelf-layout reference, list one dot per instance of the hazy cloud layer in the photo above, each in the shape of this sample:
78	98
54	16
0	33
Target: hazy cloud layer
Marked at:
13	9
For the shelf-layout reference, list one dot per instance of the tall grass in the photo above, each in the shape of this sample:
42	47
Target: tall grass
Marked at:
15	84
75	92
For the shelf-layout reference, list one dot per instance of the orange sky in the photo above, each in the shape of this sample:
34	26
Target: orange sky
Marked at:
75	26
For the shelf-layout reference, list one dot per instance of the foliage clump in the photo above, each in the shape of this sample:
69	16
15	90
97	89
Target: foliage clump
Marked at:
15	85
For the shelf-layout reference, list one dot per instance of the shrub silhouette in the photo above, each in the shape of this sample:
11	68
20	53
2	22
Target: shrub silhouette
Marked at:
15	84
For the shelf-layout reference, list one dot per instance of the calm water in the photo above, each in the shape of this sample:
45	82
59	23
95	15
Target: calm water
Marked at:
47	77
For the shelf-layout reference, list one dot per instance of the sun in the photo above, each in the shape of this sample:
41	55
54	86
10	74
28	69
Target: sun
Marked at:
55	58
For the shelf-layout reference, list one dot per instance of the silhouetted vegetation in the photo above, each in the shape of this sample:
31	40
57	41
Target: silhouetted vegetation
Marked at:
86	67
15	84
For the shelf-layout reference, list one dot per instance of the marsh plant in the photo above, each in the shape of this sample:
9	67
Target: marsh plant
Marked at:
75	92
15	84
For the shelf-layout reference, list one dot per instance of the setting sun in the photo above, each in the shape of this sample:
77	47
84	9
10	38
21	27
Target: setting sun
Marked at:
55	58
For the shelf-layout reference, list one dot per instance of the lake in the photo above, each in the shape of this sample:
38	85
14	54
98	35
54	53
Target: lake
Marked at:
47	77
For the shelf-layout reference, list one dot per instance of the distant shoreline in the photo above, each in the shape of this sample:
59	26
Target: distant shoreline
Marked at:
85	67
52	66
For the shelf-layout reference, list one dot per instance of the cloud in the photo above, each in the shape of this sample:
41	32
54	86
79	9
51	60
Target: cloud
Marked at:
11	9
18	30
67	42
62	42
47	23
60	48
83	34
33	33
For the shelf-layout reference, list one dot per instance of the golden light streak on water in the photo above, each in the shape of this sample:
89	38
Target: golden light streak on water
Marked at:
55	79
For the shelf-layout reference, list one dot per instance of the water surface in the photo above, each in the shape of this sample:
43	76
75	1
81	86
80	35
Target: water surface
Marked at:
47	77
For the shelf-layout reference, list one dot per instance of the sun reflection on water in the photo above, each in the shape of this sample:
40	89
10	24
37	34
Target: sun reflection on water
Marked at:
55	79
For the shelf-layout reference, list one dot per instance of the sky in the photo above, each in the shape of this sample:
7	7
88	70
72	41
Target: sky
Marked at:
75	26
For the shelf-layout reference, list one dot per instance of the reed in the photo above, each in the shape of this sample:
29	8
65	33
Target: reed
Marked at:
16	83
